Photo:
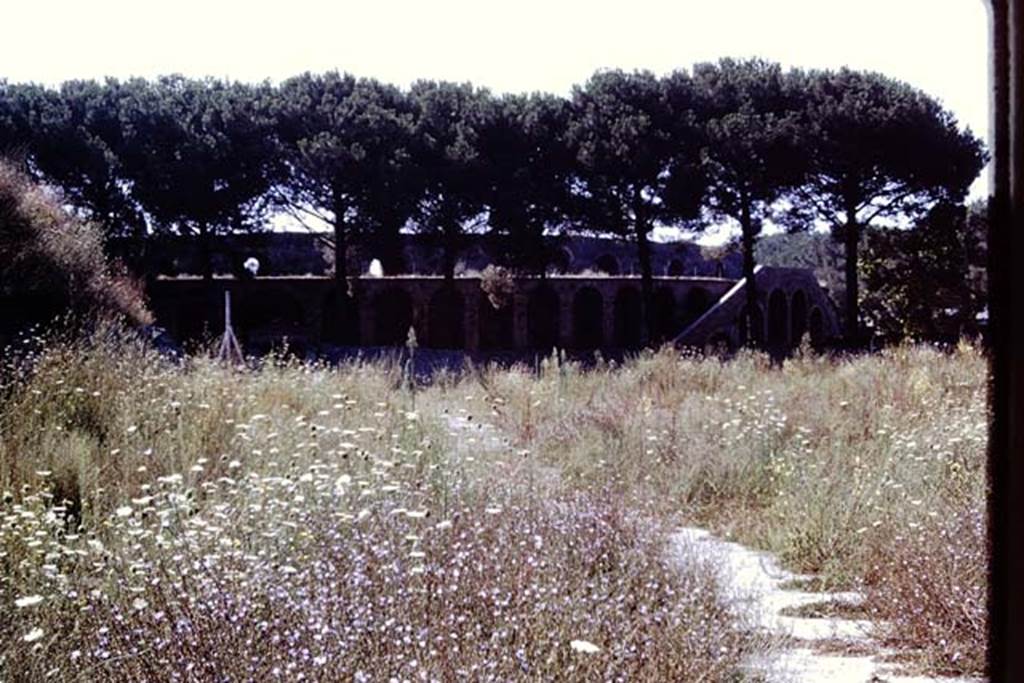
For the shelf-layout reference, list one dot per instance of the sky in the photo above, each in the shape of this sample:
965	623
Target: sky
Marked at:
939	46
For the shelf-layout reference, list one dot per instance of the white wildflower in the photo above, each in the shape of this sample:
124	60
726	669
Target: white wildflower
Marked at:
584	646
28	601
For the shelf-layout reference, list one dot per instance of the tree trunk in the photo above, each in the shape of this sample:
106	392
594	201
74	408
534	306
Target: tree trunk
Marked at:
390	243
450	236
339	327
205	251
851	235
749	234
648	333
340	248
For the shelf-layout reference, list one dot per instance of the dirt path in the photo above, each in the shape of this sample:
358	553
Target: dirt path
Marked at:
757	584
819	649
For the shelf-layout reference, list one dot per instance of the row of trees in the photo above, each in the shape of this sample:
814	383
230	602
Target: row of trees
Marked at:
737	141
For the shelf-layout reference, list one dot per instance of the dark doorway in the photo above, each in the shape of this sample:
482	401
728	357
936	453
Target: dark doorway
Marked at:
778	325
628	322
664	315
542	318
446	320
393	313
817	328
340	319
696	304
497	326
798	317
607	264
587	315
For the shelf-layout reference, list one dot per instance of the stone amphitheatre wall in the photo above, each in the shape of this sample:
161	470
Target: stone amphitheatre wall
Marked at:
573	312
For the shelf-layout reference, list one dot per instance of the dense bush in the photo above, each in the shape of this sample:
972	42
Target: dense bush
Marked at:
52	264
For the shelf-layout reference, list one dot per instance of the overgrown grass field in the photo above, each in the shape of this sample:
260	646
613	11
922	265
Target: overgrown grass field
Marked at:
194	522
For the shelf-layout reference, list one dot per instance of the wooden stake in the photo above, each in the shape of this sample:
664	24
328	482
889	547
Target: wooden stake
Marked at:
230	350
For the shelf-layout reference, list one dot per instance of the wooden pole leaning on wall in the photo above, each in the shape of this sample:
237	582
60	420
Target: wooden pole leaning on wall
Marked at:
230	351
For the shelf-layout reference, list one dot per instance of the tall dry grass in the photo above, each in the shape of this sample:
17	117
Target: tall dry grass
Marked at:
868	470
298	522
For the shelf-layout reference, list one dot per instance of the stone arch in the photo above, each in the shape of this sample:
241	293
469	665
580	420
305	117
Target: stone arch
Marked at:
446	319
340	319
195	317
264	309
496	325
587	318
663	314
542	318
797	317
816	327
628	322
756	334
393	315
778	319
607	264
675	268
561	260
696	304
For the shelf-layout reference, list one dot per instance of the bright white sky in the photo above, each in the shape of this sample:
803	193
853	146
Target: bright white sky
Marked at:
940	46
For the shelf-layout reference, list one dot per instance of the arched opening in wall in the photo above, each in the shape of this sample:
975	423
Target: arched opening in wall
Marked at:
392	309
778	324
696	304
271	313
392	258
560	260
607	264
542	318
340	319
628	323
195	320
664	315
675	268
496	325
446	319
817	328
755	334
798	317
587	319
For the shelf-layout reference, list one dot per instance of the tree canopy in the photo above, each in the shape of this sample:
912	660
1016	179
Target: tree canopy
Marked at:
751	158
529	173
450	119
630	149
627	152
197	154
877	152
